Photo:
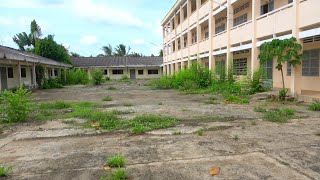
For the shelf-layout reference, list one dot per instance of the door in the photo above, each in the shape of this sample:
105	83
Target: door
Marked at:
269	73
132	74
4	81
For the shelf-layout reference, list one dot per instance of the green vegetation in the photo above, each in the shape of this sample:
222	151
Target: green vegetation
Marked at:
236	137
284	51
51	83
260	109
16	105
281	115
200	132
149	122
107	98
77	76
124	78
1	129
199	80
127	104
111	88
119	174
116	161
97	76
315	106
5	170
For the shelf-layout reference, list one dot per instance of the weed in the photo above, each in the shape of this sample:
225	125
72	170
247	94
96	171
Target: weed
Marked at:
69	122
5	170
138	129
253	123
2	129
176	132
119	174
236	137
160	103
200	132
279	115
127	104
315	106
55	105
151	122
236	99
111	88
116	161
107	98
259	109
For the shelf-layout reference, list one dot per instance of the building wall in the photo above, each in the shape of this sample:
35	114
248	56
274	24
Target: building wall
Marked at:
284	21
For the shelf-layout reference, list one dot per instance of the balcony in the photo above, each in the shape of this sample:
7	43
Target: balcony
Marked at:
184	25
184	52
273	22
220	40
204	46
204	9
309	13
193	49
241	33
193	18
178	29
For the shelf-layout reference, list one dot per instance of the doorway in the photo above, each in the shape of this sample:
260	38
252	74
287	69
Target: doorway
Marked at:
4	80
132	74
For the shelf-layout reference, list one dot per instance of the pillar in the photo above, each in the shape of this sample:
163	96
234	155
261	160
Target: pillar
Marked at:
189	30
34	83
19	75
65	74
255	51
229	60
211	30
53	74
198	2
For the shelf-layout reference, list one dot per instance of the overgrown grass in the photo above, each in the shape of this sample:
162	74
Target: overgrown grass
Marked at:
315	106
260	109
147	122
119	174
116	161
127	104
107	98
279	115
5	170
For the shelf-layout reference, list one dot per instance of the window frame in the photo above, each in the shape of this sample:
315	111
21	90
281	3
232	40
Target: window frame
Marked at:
240	66
9	75
153	71
308	68
23	73
117	72
139	72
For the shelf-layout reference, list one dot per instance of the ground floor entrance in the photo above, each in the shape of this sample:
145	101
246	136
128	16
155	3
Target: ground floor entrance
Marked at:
3	78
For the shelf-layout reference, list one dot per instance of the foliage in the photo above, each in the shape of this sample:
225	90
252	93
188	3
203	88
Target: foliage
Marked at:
315	106
134	54
97	76
259	109
107	98
77	76
23	39
73	54
40	74
117	161
16	105
284	51
220	71
51	83
119	174
257	82
161	53
48	48
282	94
124	78
236	99
108	51
122	50
164	82
279	115
200	132
5	170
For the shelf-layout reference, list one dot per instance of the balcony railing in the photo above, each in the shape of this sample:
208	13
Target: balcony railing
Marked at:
241	33
308	13
204	45
220	40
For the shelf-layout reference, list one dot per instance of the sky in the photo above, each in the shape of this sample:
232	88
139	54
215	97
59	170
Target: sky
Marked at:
84	26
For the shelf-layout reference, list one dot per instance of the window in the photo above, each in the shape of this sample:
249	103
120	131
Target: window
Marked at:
241	8
206	35
117	71
153	71
173	46
220	28
240	66
105	72
310	63
193	6
288	69
10	72
179	44
56	72
290	1
23	72
140	72
185	13
241	19
267	7
269	69
194	37
185	41
203	1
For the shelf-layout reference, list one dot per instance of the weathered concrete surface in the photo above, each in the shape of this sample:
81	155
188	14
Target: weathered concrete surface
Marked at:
54	150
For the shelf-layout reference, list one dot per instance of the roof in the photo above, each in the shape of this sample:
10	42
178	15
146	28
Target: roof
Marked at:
14	54
117	61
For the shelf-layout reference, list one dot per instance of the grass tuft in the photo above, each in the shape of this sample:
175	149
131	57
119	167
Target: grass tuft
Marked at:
236	137
200	132
5	170
128	104
315	106
116	161
259	109
107	98
119	174
279	115
150	122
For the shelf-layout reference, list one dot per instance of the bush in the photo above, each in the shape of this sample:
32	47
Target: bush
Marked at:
117	161
51	83
97	76
16	105
315	106
164	82
77	76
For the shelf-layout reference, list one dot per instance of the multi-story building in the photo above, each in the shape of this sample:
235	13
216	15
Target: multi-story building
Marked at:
232	31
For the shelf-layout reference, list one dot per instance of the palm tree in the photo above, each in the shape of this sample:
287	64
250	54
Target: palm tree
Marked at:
108	51
22	39
121	50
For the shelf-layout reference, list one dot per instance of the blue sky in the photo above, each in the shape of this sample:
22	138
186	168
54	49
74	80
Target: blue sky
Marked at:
84	26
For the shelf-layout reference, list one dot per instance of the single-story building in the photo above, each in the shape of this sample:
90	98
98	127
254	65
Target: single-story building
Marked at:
18	68
117	67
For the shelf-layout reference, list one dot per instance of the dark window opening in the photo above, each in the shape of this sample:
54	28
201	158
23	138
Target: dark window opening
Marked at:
288	69
140	72
56	72
117	71
23	72
240	66
153	71
10	72
105	72
267	7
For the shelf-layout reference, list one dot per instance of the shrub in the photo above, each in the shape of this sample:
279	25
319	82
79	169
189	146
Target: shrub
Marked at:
124	78
40	74
16	105
97	76
51	83
283	94
164	82
236	99
200	132
315	106
5	170
117	161
77	76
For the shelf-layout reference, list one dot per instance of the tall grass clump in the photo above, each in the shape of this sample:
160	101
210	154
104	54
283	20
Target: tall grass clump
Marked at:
77	76
315	106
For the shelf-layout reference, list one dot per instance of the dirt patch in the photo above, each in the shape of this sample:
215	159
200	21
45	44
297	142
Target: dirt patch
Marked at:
234	139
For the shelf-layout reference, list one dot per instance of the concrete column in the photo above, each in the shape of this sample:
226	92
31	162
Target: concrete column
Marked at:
34	82
198	2
229	60
255	51
189	32
296	71
211	25
53	74
181	37
19	75
65	74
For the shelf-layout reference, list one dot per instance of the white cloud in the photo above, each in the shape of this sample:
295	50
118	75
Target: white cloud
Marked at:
88	40
103	13
138	41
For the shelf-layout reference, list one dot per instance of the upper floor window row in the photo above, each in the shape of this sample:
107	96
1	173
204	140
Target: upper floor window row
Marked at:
241	19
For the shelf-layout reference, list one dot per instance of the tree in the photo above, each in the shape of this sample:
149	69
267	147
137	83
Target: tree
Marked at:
161	53
48	48
108	51
23	39
122	50
100	55
73	54
284	51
